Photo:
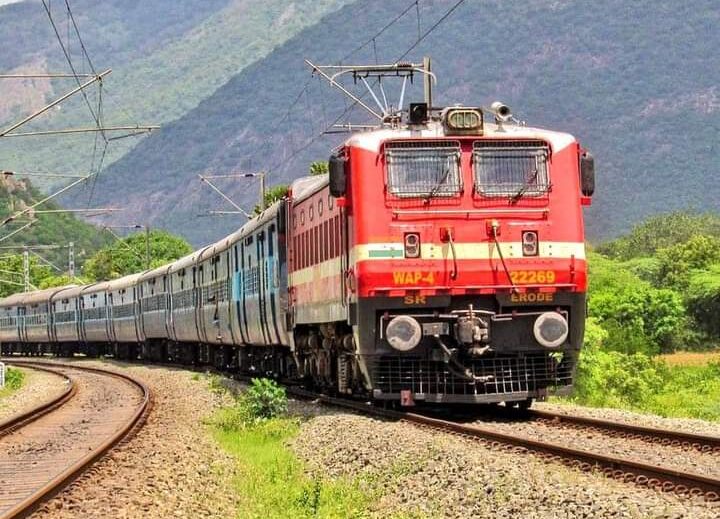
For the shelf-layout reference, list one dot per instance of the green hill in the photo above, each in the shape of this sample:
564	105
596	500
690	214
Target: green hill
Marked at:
49	228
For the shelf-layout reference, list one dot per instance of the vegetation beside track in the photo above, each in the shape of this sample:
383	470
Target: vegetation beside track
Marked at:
271	481
653	300
14	379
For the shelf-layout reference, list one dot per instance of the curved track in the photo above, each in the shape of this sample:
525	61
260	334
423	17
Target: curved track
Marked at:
19	420
41	455
629	470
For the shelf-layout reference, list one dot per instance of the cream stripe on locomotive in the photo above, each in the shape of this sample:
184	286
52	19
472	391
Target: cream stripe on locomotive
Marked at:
463	251
468	251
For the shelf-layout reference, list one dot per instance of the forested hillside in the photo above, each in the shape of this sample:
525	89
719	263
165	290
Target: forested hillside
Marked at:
48	228
166	56
635	81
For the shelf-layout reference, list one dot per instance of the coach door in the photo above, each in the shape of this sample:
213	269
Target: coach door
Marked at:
262	270
238	290
22	330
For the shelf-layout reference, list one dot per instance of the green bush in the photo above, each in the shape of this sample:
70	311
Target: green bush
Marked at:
679	262
263	400
660	232
14	379
637	316
703	299
614	379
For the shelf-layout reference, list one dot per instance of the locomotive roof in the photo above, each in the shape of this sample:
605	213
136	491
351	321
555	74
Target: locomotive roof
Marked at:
373	140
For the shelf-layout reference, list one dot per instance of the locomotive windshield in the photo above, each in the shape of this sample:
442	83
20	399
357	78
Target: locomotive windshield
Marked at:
425	169
510	169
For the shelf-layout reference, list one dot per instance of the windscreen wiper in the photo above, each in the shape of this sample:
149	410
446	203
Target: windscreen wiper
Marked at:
437	186
526	185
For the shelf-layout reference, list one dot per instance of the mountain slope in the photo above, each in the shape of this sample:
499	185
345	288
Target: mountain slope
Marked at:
636	82
166	56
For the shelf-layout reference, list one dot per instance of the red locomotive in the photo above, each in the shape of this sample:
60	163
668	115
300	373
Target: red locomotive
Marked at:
442	261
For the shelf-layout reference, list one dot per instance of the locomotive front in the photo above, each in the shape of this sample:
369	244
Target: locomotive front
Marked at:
467	263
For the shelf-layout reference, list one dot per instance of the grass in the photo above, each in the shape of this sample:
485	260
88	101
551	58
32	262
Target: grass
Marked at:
683	387
689	391
14	379
690	358
273	483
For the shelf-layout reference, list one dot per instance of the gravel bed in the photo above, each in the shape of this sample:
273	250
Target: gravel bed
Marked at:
424	473
171	468
38	387
597	440
688	425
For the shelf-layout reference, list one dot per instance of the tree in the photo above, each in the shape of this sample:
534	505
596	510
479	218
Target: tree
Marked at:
272	195
62	280
678	262
660	232
636	316
319	167
11	273
128	255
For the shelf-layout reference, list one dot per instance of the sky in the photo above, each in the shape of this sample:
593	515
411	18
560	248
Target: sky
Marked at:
4	2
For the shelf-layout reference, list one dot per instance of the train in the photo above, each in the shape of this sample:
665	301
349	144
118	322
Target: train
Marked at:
441	260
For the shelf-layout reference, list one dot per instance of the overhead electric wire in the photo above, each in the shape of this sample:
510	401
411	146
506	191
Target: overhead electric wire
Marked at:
385	28
432	28
70	63
77	33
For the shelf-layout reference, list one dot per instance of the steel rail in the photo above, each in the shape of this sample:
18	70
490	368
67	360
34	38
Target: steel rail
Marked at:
624	469
20	420
73	472
701	442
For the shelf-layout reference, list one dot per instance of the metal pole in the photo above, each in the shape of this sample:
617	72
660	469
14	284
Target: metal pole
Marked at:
225	197
71	259
427	81
26	270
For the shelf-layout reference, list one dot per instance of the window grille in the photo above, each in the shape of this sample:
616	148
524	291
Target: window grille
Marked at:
510	169
424	169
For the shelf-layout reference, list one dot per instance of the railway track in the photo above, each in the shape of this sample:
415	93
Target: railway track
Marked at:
659	477
701	443
51	446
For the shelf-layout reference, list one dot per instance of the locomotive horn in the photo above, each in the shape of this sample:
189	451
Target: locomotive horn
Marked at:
501	111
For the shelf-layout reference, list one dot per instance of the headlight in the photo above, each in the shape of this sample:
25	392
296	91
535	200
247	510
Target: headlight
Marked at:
550	329
403	333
